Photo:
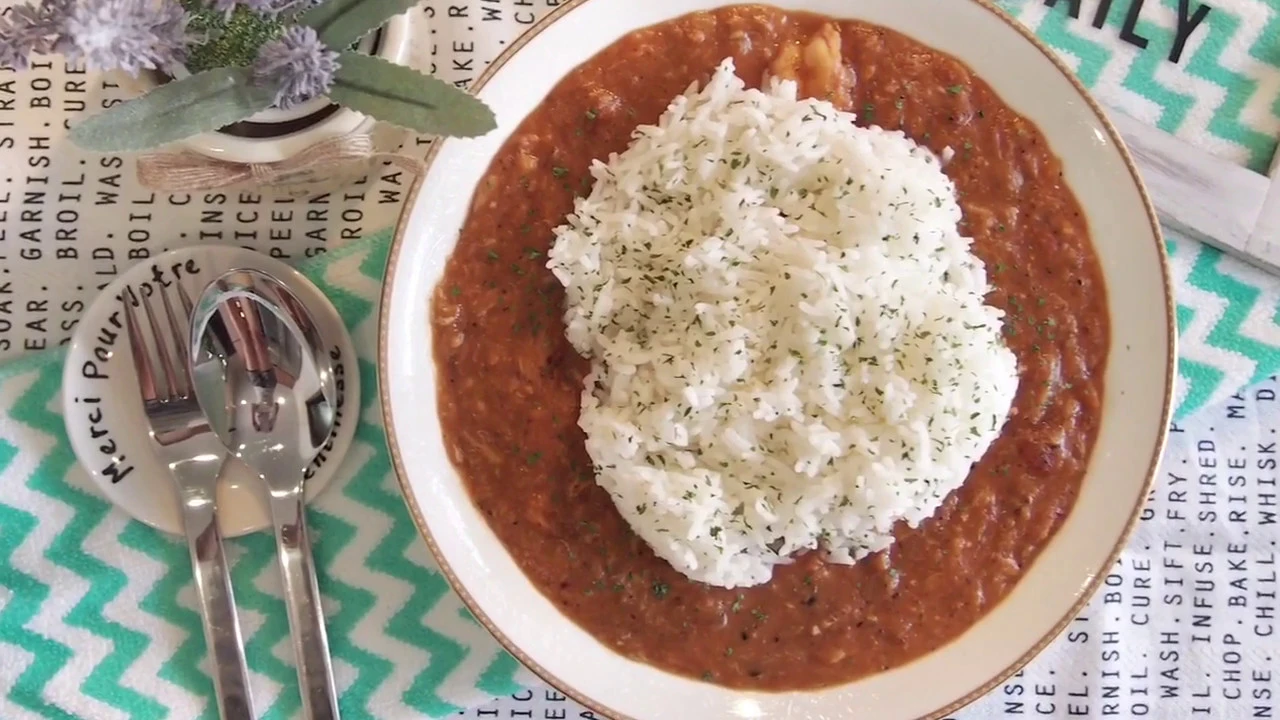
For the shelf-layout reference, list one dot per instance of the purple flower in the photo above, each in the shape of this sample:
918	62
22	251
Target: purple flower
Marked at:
297	64
129	35
30	30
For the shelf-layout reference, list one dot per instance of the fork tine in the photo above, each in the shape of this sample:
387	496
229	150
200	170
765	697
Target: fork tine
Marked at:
162	347
138	348
179	333
188	307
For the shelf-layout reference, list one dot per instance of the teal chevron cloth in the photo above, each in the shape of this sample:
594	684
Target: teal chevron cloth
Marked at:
1222	95
97	612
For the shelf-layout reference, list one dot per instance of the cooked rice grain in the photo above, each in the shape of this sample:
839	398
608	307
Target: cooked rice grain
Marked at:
789	341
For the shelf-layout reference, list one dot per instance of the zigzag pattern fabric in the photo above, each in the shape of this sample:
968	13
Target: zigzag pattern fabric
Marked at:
1223	95
97	612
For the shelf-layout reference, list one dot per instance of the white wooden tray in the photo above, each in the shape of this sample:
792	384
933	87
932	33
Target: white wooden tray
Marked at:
1206	198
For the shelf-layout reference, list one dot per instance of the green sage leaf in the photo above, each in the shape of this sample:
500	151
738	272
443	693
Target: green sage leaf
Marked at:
342	22
403	96
179	109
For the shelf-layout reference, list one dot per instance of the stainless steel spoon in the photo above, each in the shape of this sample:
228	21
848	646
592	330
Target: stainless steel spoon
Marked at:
257	353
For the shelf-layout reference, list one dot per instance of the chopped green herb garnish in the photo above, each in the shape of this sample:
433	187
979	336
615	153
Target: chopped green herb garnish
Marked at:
660	590
955	89
559	171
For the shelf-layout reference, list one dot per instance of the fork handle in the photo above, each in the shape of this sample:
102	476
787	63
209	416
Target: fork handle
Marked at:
302	598
218	606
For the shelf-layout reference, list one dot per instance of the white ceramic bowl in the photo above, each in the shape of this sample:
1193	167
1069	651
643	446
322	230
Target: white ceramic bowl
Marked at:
1139	378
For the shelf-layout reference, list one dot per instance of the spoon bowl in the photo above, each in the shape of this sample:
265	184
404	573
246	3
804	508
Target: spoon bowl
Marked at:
260	357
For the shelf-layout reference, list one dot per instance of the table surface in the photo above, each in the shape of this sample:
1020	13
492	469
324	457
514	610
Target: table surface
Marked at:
1184	625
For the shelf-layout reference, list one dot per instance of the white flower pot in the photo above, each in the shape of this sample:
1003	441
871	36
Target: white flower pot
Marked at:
276	136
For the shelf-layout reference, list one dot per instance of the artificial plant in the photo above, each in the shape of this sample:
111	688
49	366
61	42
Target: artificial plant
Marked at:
246	56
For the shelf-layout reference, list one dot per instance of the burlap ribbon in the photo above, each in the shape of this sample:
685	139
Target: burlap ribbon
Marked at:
186	171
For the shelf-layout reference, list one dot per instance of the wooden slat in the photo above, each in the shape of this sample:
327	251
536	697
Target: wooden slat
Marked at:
1264	241
1207	198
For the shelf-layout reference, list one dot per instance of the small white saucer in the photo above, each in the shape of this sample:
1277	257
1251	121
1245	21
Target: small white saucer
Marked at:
103	411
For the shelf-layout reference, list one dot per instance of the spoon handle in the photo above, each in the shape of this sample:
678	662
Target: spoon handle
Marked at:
218	606
306	615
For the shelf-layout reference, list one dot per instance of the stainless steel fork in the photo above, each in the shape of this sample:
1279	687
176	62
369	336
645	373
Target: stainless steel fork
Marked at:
194	455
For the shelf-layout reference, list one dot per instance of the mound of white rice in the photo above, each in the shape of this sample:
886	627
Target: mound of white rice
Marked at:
789	341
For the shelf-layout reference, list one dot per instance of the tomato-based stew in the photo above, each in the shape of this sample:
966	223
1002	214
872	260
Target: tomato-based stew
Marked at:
510	383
